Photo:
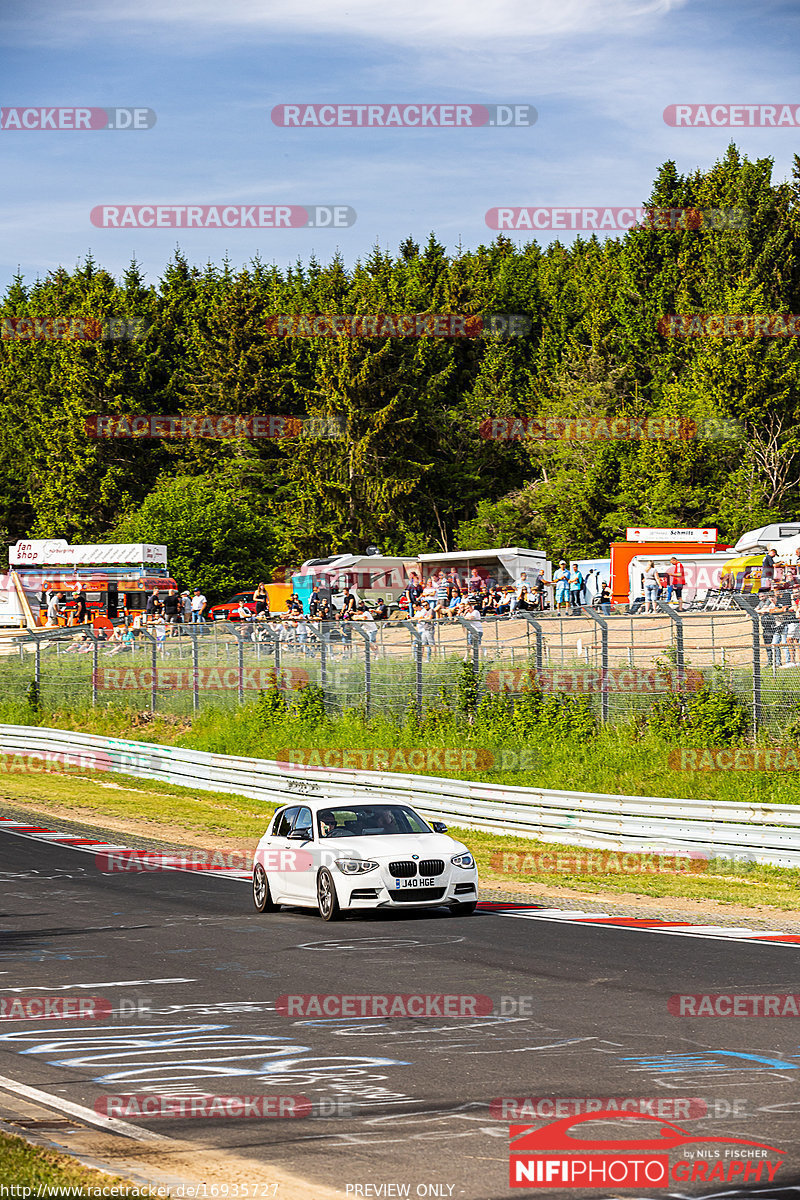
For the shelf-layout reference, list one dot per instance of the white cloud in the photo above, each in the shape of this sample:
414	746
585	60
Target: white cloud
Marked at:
410	22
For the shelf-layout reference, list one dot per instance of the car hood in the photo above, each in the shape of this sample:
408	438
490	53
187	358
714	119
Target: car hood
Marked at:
392	846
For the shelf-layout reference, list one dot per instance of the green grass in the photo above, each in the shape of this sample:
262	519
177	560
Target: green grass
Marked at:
30	1166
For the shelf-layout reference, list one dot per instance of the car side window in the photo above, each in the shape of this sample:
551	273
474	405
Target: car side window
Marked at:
283	822
303	821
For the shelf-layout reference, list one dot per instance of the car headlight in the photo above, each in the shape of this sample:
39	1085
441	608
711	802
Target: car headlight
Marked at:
356	866
463	860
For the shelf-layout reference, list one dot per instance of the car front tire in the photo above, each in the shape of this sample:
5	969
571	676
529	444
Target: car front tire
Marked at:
262	897
327	901
464	910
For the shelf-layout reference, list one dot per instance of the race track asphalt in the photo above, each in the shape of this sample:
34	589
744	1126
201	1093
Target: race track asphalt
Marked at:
193	974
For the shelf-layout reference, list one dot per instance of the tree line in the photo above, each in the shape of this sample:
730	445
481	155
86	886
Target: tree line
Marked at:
405	455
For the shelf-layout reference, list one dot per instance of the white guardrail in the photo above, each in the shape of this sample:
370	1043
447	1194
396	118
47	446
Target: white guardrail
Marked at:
765	833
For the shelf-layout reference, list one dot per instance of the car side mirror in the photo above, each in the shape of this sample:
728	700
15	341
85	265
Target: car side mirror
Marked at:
438	827
300	835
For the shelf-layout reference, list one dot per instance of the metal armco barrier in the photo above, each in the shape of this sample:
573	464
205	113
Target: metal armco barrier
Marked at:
768	833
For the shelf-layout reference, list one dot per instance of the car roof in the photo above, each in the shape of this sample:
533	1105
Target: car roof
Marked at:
316	804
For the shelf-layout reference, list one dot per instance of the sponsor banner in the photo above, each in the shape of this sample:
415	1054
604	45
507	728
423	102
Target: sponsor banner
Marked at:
208	678
77	118
529	1108
390	1005
670	535
389	760
743	325
211	425
397	325
756	1004
405	116
600	218
54	1008
599	862
585	681
763	758
708	116
222	216
72	329
204	1107
55	552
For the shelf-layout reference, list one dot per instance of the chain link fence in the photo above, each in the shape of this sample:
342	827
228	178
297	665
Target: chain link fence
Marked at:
619	661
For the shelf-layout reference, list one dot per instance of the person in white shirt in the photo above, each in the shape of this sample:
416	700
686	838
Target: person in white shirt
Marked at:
425	626
475	635
521	594
198	606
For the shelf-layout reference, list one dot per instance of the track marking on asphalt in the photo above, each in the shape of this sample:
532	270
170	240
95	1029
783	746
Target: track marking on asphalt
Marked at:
87	1115
68	987
772	937
167	862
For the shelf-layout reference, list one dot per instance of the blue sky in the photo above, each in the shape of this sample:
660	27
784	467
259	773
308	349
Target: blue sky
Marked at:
599	72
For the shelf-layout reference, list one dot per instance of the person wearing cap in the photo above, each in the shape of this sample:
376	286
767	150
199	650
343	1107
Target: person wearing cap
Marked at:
186	604
768	570
198	607
561	580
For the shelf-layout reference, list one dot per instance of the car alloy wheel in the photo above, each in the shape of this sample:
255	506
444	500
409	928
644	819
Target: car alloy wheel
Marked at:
327	902
262	897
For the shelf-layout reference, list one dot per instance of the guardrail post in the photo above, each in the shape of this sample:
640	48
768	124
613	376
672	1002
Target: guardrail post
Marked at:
677	619
740	602
195	673
603	623
539	637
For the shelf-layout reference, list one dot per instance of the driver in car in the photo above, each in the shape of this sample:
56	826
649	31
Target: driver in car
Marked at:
388	821
326	824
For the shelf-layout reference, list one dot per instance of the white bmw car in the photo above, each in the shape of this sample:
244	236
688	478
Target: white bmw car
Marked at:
342	857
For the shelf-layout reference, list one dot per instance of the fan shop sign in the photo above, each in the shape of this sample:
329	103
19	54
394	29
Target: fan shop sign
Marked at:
585	681
208	678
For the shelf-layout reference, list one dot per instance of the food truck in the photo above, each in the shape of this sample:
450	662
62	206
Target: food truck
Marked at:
657	544
115	577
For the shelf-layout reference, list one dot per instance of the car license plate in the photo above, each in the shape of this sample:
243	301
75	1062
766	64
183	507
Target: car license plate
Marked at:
418	881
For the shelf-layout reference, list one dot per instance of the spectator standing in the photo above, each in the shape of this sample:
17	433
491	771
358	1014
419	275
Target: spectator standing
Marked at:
315	602
172	609
561	580
261	599
425	626
677	582
54	608
768	570
605	598
652	586
475	635
441	595
575	588
154	607
79	611
198	607
475	582
186	604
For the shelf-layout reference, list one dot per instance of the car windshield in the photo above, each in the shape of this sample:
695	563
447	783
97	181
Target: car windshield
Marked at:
368	820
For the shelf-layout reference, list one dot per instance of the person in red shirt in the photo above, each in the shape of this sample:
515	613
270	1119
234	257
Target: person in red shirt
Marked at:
677	579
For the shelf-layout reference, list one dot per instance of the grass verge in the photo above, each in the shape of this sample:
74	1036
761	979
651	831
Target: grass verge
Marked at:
35	1168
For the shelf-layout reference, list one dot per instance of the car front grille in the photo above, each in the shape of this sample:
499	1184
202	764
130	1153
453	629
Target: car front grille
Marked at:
409	895
431	866
403	870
